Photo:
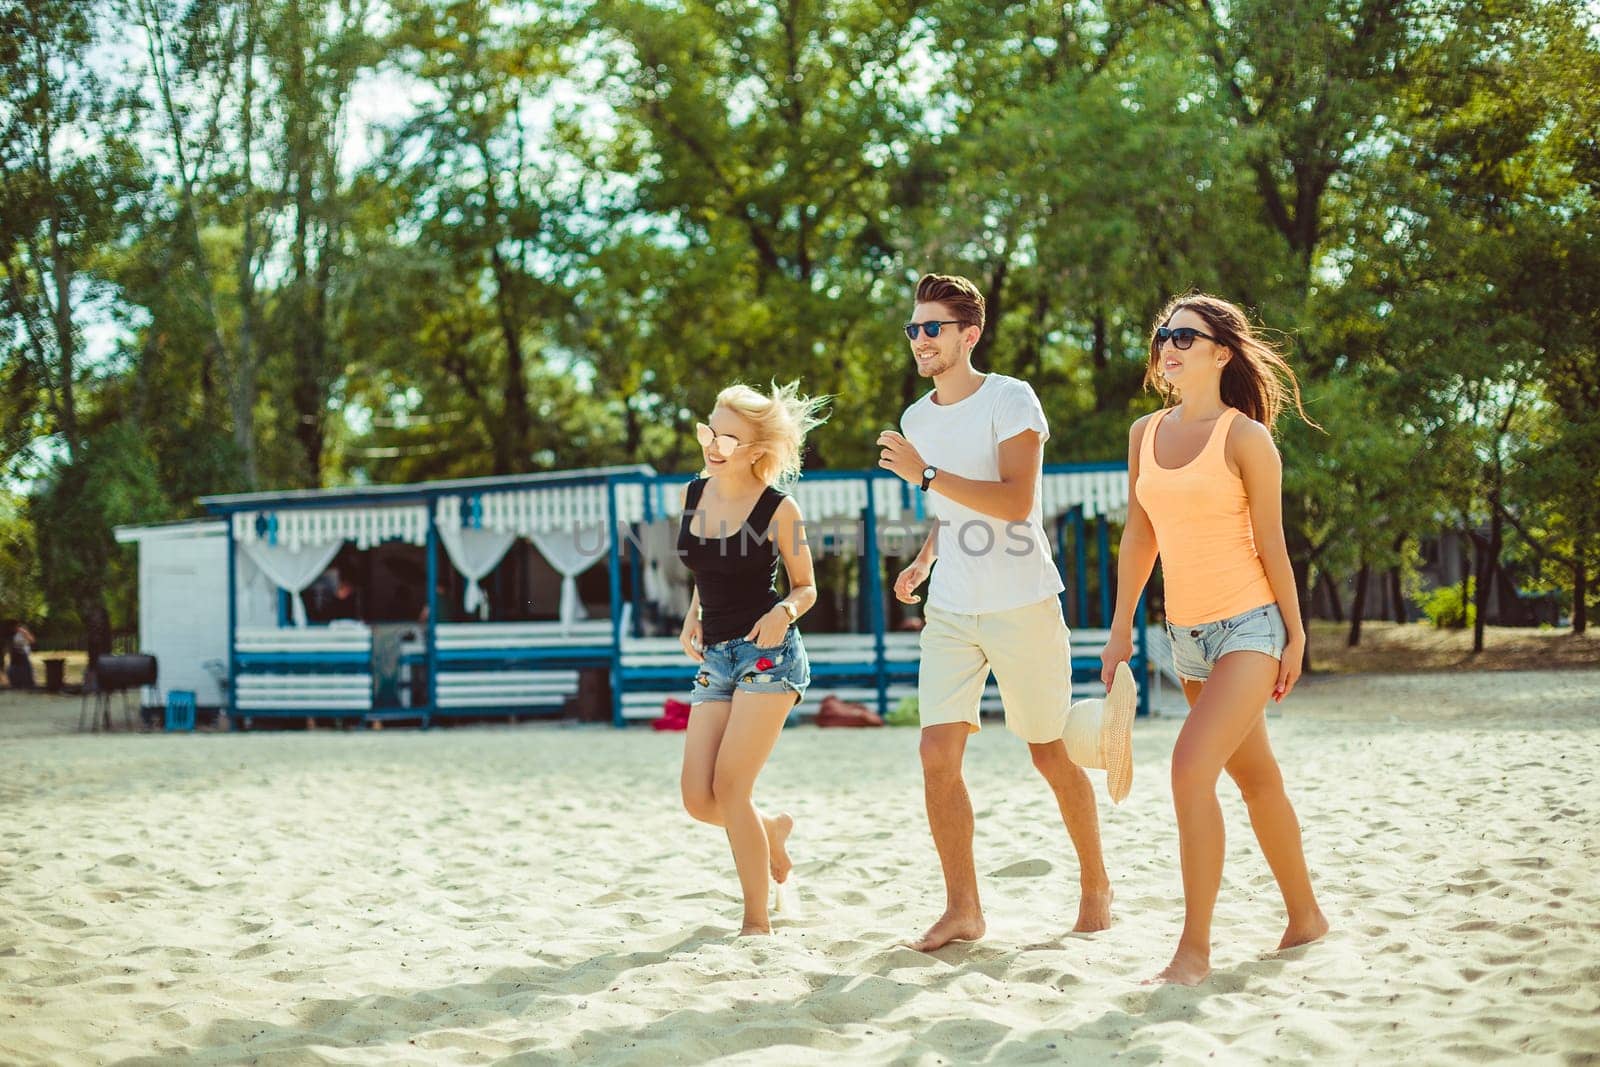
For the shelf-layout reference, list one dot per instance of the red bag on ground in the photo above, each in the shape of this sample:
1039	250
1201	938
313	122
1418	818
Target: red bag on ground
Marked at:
847	713
674	716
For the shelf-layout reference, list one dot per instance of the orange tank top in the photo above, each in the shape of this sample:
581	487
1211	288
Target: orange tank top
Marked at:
1203	531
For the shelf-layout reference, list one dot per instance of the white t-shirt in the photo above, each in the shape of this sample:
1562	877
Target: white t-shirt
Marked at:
985	564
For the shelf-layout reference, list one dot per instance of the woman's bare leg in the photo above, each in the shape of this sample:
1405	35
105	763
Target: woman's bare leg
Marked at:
1228	705
753	728
1254	770
707	725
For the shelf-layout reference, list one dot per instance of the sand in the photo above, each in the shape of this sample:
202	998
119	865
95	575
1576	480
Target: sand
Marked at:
536	895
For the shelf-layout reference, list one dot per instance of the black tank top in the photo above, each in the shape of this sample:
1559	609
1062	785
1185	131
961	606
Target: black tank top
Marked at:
735	575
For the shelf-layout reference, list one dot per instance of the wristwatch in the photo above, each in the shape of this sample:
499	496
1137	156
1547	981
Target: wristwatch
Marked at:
789	610
927	476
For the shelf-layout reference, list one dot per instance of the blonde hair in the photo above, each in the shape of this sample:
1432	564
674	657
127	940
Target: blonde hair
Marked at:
1258	380
781	418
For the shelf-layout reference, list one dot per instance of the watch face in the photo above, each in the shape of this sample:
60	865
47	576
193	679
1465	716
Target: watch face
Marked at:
928	472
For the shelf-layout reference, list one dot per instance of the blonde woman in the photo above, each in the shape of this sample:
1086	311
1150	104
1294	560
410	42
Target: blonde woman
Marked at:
737	527
1205	494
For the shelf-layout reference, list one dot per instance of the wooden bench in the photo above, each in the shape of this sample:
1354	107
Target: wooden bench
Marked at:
515	666
308	646
303	672
479	690
304	695
524	648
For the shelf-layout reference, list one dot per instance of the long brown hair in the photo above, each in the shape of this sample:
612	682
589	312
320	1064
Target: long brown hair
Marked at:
1257	380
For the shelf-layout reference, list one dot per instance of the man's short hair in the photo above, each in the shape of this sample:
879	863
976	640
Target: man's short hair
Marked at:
954	292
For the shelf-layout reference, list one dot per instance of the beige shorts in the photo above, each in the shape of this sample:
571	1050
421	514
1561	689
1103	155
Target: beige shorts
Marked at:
1029	650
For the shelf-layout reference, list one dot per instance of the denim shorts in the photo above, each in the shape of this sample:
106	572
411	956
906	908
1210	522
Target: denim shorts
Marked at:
739	664
1196	649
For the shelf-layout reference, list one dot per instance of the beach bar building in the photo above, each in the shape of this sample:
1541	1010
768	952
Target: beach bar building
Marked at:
505	596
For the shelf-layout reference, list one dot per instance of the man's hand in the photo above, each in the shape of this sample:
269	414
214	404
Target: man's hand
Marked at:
913	576
898	455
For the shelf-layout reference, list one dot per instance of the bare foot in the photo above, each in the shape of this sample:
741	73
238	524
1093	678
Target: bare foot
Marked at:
1094	910
779	827
755	930
1186	968
952	926
1303	931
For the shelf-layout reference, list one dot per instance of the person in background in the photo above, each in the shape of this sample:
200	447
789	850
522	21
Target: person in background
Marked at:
20	673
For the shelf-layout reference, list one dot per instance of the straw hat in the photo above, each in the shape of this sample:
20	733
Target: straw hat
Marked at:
1097	733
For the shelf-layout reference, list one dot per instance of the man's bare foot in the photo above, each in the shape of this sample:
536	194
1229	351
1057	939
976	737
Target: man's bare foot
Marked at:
1094	910
1186	968
1304	931
779	827
756	930
952	926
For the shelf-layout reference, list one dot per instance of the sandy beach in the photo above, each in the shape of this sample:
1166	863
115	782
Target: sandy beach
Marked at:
536	895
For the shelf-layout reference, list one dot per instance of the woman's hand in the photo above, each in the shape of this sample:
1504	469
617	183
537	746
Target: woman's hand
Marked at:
1119	649
693	639
1294	655
913	576
769	630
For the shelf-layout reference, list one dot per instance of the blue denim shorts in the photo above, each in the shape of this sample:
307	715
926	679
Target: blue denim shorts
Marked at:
738	664
1196	649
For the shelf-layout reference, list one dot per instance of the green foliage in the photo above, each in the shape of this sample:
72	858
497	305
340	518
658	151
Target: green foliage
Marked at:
1444	607
904	713
113	483
20	596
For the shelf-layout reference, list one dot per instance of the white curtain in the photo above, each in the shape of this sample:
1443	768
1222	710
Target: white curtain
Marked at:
571	552
475	553
256	598
666	581
292	569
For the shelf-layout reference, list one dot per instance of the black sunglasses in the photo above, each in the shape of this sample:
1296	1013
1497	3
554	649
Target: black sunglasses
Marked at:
1182	338
932	326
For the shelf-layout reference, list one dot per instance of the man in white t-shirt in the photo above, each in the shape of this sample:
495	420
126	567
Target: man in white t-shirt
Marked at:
975	446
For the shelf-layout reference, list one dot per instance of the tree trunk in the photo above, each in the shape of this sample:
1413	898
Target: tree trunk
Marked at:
307	388
1466	575
514	457
1330	589
1033	370
1302	585
97	627
1100	361
1396	587
993	308
633	432
1488	568
61	270
1580	596
1358	606
242	387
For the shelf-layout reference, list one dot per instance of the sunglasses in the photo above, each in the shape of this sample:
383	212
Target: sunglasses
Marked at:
931	327
721	445
1182	338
